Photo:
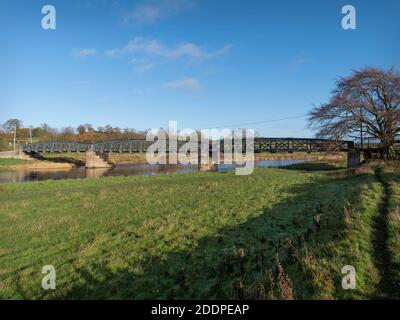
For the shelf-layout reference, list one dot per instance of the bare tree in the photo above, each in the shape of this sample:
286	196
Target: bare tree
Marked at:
12	124
367	101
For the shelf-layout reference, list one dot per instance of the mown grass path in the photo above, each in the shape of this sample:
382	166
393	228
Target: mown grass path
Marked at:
381	252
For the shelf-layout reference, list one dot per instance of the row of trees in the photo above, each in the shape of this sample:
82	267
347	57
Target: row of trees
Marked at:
83	133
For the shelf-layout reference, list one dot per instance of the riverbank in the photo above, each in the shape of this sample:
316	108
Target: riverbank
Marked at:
140	158
67	161
276	234
22	165
313	156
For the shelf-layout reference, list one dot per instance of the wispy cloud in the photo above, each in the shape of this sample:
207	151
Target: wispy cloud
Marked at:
186	84
152	11
83	53
154	47
296	63
142	65
140	91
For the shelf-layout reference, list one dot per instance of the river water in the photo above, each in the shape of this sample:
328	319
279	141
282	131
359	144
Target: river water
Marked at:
120	170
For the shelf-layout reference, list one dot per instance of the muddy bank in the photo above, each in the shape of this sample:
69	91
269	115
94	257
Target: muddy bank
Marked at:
38	165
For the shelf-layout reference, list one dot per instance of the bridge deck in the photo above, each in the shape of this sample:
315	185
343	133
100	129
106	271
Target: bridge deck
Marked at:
272	145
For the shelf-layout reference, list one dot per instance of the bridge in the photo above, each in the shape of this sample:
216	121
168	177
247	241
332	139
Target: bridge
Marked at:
271	145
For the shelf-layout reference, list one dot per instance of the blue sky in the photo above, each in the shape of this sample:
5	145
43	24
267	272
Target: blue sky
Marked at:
204	63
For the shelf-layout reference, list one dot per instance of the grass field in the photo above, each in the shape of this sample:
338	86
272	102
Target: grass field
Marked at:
11	162
276	234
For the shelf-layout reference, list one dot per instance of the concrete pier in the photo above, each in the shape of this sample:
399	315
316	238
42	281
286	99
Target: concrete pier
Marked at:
96	160
209	167
206	167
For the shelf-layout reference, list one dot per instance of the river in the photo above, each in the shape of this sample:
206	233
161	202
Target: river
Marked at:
120	170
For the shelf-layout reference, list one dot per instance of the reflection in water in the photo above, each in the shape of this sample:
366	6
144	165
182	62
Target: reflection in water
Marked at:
120	170
96	173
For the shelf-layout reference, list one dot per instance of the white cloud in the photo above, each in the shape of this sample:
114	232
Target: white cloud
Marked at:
142	65
187	84
151	11
112	52
83	53
153	47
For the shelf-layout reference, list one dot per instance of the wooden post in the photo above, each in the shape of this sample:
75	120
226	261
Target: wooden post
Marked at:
353	158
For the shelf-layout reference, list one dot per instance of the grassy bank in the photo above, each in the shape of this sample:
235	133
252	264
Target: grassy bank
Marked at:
21	165
200	235
313	156
11	162
118	158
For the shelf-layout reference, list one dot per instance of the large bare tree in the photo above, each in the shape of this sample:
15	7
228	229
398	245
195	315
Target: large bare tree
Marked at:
368	101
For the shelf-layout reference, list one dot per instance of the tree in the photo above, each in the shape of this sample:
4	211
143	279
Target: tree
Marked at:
368	101
12	124
67	134
108	129
84	128
44	132
81	129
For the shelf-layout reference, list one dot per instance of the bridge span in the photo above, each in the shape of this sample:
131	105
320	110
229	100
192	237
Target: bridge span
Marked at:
272	145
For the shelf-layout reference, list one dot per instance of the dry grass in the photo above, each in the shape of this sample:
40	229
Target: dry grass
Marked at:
120	158
314	156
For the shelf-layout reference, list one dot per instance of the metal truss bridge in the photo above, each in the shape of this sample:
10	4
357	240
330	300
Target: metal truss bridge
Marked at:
272	145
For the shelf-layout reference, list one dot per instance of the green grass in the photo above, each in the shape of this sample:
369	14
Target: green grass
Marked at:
317	166
393	226
68	156
196	235
11	162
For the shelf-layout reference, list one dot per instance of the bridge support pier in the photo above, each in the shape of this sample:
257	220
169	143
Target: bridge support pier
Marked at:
206	167
209	167
353	158
97	160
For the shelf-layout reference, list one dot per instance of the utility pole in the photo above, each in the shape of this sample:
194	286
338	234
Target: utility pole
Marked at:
361	130
30	133
15	135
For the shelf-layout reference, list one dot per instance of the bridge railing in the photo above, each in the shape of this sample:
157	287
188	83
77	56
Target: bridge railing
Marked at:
55	147
139	146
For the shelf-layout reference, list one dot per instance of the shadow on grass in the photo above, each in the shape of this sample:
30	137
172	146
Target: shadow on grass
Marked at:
386	244
238	262
312	166
75	162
